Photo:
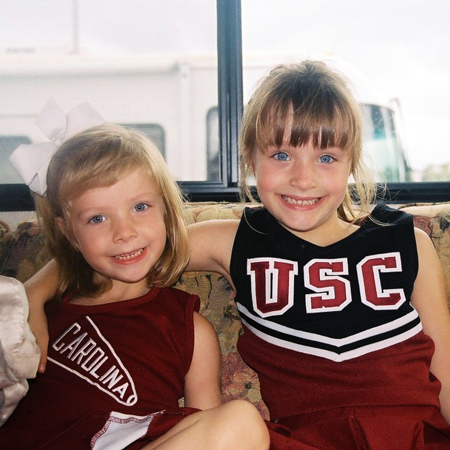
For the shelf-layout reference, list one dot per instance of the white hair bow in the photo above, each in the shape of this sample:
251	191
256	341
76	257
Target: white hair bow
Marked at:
31	161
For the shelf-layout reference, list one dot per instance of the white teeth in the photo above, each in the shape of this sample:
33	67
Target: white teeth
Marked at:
300	202
129	255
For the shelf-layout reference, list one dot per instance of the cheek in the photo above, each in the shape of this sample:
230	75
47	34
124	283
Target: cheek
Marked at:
338	184
84	241
92	253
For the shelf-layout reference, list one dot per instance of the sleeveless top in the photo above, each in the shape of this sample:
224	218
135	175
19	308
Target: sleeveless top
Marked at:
130	357
332	326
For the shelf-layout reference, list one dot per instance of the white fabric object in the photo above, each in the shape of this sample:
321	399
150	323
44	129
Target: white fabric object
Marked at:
121	430
31	161
19	353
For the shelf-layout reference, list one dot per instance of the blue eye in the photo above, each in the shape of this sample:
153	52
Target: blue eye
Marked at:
281	156
327	159
97	219
141	207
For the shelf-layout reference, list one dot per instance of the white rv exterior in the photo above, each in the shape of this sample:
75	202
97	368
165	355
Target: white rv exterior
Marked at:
172	97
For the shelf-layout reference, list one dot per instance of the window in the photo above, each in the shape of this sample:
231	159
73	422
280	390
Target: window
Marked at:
212	144
395	53
7	145
149	64
184	79
383	146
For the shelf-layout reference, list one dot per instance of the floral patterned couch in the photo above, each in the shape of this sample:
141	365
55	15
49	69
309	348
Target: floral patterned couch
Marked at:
22	253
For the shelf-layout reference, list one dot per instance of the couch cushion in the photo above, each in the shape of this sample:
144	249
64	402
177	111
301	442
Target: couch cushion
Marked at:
23	252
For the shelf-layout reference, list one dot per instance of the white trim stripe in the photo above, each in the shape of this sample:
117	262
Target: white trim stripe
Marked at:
363	350
336	342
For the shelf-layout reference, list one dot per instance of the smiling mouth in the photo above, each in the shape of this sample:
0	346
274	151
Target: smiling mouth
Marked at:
300	202
126	256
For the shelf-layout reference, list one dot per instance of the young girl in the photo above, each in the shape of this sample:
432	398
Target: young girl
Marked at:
124	347
345	315
344	312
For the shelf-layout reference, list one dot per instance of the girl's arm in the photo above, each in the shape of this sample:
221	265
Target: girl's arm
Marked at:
41	288
430	300
203	388
211	245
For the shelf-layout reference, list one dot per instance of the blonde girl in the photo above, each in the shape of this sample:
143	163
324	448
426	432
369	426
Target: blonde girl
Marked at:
124	346
344	312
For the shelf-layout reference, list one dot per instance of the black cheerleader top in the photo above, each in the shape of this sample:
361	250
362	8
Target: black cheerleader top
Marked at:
337	302
328	327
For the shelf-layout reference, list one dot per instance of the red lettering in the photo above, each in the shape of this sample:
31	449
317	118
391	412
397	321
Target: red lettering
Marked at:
372	293
272	282
333	292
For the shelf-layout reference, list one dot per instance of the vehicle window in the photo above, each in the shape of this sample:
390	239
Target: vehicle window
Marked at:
7	145
179	79
383	146
212	147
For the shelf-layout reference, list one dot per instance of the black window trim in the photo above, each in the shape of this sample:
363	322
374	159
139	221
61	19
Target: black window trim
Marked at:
16	197
230	106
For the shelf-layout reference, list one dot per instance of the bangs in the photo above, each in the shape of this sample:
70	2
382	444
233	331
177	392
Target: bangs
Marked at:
102	173
323	123
86	165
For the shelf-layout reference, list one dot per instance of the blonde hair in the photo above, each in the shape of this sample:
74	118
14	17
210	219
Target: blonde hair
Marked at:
100	157
323	111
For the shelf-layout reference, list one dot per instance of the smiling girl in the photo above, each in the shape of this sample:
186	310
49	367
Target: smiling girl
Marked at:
344	312
124	346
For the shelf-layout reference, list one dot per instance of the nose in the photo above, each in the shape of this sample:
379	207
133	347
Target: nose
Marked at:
302	175
124	229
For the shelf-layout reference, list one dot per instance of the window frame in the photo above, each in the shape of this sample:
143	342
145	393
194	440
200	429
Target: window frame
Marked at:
230	107
16	197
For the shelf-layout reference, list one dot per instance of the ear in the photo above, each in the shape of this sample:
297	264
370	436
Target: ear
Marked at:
66	231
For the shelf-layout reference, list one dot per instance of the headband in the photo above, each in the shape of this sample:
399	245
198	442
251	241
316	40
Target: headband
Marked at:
31	161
